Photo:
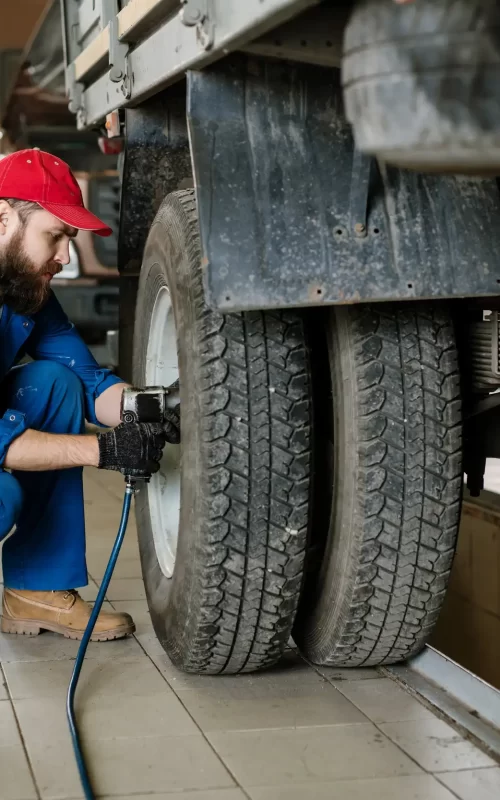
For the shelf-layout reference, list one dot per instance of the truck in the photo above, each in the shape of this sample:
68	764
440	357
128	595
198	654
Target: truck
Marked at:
309	242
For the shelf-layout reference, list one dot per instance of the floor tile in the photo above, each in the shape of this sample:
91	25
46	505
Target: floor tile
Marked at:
16	782
139	611
411	787
141	765
98	553
98	678
103	539
436	746
112	482
125	567
263	705
474	784
95	489
100	517
340	675
54	767
108	717
9	735
210	794
290	671
138	717
382	700
275	758
3	687
52	646
89	593
100	547
97	495
138	608
149	643
97	482
129	766
47	714
102	527
126	589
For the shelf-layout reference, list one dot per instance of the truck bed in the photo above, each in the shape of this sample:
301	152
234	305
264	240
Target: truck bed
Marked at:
151	43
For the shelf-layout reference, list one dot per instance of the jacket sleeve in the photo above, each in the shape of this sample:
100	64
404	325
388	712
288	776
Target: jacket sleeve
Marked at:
55	338
12	425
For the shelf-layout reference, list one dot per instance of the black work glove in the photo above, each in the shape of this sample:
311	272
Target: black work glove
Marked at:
136	446
172	424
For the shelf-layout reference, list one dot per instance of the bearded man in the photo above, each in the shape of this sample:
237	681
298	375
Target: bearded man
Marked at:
45	404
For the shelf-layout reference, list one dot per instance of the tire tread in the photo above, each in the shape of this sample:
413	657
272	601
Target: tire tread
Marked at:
408	485
256	428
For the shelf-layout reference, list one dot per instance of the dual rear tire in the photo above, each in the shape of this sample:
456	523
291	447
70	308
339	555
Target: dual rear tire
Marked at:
317	487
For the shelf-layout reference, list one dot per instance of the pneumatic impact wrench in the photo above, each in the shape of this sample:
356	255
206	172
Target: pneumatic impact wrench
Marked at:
154	405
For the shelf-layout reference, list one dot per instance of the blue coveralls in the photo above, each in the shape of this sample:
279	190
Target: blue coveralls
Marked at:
54	393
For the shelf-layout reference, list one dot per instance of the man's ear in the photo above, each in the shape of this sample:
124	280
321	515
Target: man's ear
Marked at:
6	216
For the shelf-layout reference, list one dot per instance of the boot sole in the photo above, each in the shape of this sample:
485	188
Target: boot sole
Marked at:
33	627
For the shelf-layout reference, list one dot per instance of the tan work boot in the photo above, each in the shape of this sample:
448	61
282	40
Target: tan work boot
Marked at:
29	613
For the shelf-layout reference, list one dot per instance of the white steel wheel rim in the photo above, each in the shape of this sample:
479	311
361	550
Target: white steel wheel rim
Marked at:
164	489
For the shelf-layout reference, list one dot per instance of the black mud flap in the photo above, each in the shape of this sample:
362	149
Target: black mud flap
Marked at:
291	215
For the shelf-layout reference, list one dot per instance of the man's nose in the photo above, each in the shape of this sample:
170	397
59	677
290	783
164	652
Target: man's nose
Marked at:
62	255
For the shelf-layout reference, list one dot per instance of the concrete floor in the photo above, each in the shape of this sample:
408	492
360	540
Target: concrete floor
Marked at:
150	731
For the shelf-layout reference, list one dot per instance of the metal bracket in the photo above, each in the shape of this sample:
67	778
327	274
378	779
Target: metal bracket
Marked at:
199	14
118	62
360	188
75	93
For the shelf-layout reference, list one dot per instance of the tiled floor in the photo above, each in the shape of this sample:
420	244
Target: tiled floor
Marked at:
152	732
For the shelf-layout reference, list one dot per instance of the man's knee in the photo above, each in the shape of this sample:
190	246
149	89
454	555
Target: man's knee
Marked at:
11	503
52	373
50	395
48	377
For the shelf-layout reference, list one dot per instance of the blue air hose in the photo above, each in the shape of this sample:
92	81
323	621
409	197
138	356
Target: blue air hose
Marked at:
75	736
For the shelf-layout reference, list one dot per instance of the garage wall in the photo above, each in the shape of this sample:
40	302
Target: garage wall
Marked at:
10	61
469	627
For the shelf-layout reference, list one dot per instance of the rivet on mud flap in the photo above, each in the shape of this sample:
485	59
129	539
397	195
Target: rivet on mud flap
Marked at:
422	83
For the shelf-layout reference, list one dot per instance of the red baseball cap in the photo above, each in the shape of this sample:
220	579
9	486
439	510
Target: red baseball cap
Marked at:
44	179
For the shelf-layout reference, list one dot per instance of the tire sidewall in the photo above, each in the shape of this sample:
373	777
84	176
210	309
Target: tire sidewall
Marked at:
329	594
168	263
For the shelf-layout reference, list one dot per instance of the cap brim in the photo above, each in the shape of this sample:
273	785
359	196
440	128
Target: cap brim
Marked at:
78	217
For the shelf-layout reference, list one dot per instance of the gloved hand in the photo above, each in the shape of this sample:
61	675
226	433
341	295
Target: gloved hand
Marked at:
172	424
136	446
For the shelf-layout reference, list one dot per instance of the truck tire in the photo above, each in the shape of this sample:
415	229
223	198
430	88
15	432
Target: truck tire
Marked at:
223	566
395	458
421	83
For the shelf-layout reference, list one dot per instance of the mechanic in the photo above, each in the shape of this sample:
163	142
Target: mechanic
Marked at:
45	404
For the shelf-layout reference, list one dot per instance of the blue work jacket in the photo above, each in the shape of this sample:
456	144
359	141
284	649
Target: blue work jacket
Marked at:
47	335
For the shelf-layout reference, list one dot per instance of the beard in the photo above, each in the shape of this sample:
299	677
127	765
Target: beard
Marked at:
22	286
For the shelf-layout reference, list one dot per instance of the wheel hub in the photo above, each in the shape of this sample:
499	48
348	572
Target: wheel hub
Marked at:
164	489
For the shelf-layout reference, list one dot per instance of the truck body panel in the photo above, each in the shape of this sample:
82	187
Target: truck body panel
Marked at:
161	58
